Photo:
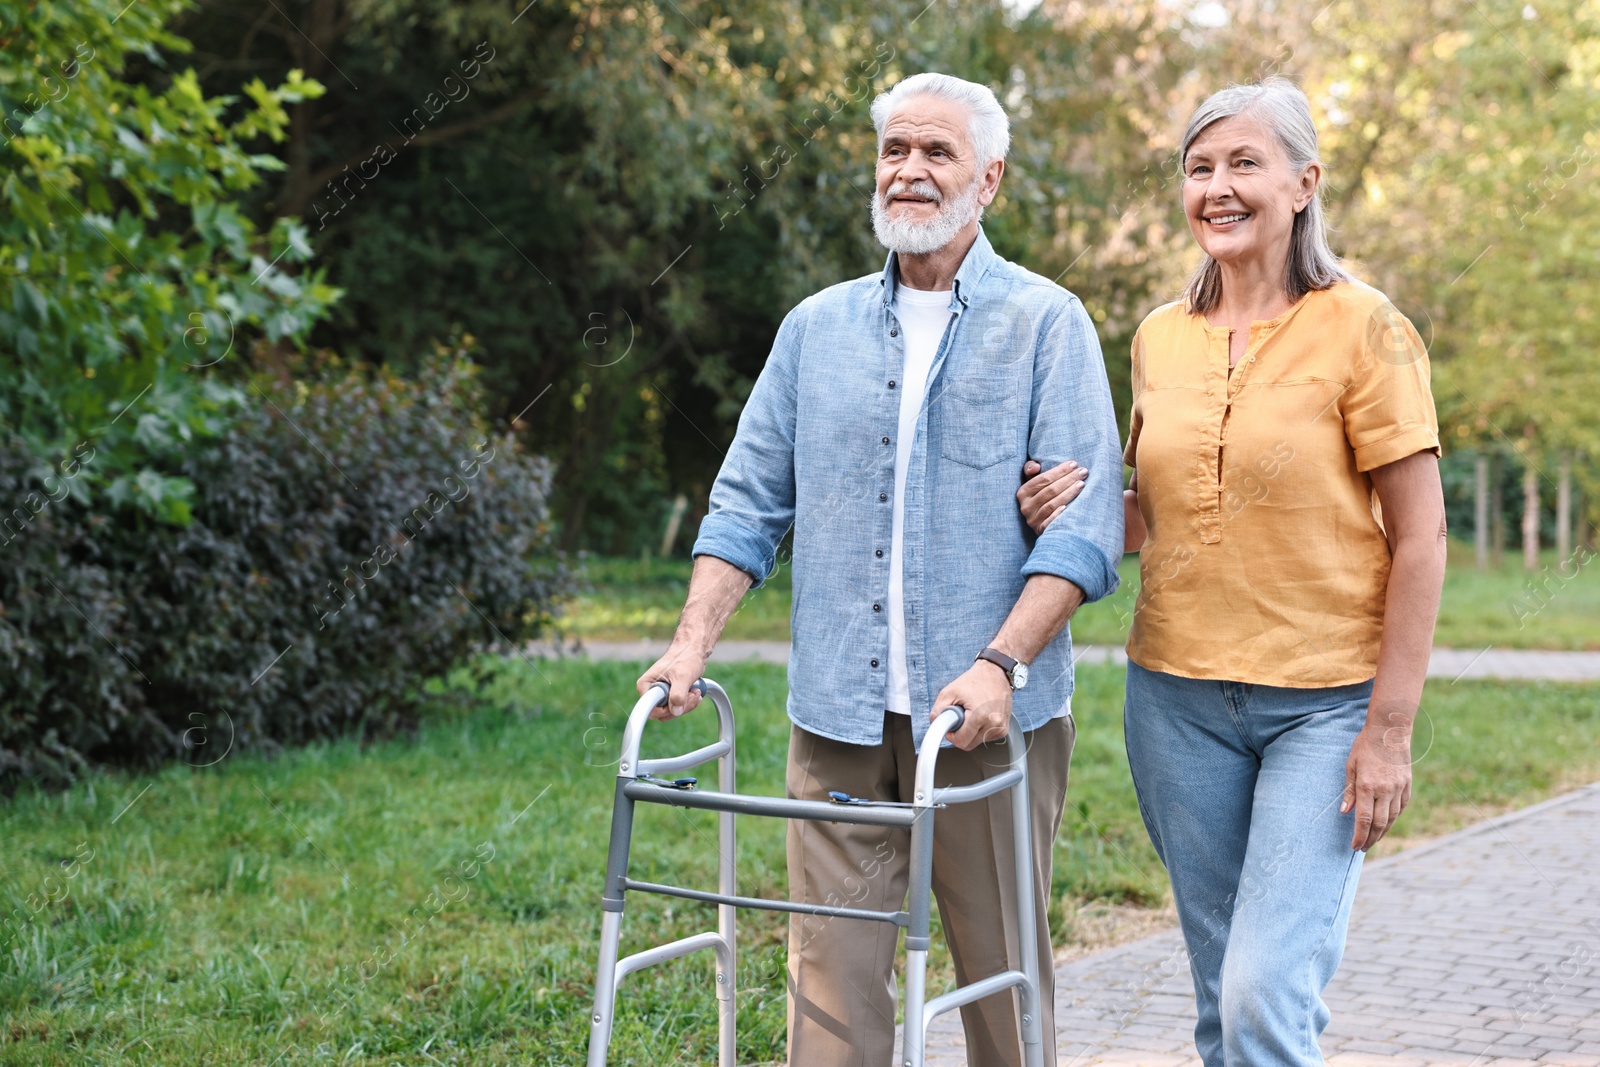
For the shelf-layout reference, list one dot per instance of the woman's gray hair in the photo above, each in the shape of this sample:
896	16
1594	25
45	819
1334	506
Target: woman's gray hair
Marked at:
1286	112
989	130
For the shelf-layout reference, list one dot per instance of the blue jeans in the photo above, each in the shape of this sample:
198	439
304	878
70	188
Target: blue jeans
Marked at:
1240	787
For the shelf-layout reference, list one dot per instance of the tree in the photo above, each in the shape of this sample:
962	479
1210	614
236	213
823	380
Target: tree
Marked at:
130	271
619	200
624	199
1474	210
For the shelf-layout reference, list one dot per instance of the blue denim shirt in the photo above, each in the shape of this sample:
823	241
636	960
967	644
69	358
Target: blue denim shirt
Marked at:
1018	374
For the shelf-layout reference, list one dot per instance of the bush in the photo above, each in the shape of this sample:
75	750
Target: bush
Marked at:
350	539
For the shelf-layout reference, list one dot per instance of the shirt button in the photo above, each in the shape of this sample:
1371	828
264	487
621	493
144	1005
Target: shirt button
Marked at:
891	385
874	663
883	496
879	553
877	607
885	440
894	331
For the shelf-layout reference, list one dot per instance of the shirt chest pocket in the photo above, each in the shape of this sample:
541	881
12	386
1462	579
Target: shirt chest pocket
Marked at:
975	419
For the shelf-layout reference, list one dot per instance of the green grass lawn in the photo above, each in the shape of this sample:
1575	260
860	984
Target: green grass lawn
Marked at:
435	900
625	600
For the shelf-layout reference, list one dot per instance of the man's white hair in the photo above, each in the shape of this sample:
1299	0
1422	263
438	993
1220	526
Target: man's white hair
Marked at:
989	130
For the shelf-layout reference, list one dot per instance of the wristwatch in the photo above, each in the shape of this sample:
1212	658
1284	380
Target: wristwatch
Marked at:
1016	673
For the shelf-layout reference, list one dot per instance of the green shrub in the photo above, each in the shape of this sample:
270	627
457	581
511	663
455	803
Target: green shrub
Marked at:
125	640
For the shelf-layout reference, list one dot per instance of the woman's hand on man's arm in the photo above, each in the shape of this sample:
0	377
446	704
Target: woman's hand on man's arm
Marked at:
1044	496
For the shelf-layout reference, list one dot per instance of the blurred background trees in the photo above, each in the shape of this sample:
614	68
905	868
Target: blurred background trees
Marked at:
618	201
610	204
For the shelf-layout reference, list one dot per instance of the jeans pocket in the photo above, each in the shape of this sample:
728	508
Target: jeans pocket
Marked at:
975	420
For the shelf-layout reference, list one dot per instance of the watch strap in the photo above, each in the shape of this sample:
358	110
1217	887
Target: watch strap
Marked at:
1001	660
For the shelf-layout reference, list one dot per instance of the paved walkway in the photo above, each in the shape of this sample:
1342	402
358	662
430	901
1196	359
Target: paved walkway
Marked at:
1452	663
1480	949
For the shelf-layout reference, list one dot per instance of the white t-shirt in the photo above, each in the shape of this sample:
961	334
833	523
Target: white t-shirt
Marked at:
923	316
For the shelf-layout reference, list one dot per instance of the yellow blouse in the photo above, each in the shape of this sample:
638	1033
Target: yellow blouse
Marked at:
1266	560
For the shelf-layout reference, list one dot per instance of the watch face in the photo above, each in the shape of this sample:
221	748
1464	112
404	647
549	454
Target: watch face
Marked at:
1019	676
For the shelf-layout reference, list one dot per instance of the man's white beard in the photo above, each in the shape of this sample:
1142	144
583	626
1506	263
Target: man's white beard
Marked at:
912	237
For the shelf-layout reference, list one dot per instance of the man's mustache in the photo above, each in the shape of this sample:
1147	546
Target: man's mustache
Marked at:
923	189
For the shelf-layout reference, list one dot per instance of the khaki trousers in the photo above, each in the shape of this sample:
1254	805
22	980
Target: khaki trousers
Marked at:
842	996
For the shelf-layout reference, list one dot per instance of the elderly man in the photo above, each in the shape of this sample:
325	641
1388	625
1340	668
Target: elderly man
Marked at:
889	428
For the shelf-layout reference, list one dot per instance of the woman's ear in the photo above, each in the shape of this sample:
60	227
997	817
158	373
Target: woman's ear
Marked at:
1310	179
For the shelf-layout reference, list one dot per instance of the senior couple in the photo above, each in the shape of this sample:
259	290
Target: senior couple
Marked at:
1286	507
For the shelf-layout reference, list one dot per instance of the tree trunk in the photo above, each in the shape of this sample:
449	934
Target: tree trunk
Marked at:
1580	507
1530	513
317	35
1564	507
1497	511
680	504
1480	512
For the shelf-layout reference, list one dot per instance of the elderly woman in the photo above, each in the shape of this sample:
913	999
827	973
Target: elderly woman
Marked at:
1282	631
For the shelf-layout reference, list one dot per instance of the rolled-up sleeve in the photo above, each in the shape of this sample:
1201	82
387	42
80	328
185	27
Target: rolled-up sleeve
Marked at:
1072	418
1388	408
753	498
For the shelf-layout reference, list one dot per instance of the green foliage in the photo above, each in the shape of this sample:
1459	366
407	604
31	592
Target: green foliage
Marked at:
1472	201
622	199
347	538
126	267
628	197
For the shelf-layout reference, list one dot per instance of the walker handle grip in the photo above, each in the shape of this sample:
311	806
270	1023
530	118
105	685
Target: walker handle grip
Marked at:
698	685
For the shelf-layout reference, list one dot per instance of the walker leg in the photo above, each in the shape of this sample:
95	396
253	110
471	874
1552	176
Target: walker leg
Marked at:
605	989
1029	998
611	903
914	1037
727	920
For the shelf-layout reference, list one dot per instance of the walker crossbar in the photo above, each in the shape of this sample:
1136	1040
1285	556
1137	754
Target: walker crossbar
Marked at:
918	818
899	918
779	807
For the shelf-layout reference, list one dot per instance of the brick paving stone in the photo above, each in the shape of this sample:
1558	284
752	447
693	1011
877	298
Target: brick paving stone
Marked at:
1377	1048
1553	1044
1367	1031
1471	1035
1480	949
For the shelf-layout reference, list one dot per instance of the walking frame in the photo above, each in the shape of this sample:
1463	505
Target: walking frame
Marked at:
643	780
